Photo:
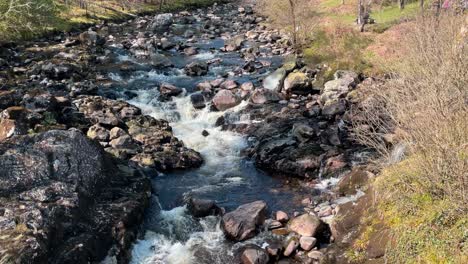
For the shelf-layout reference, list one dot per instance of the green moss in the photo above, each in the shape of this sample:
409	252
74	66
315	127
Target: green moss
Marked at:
425	228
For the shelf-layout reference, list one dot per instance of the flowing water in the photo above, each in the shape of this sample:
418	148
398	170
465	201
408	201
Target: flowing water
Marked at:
171	235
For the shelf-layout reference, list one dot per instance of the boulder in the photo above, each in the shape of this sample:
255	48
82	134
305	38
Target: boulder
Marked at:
98	132
61	193
13	122
9	98
297	83
168	90
161	22
243	223
274	81
307	243
264	96
198	100
225	99
282	217
291	247
253	255
306	225
91	38
229	84
160	61
203	208
343	83
196	69
334	107
234	44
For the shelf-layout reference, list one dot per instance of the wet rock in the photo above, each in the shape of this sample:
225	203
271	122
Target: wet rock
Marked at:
297	83
307	243
243	223
234	44
273	224
160	61
306	225
217	82
198	100
190	51
203	208
168	90
264	96
225	99
352	181
161	22
196	69
252	254
274	81
205	133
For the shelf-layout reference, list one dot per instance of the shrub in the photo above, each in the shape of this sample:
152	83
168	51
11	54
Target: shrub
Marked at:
424	198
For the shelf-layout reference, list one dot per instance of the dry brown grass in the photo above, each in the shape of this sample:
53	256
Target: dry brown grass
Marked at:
424	198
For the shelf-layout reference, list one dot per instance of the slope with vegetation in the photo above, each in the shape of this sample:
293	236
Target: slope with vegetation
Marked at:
20	19
416	120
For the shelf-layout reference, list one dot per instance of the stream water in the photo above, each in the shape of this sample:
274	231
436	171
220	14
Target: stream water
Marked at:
171	235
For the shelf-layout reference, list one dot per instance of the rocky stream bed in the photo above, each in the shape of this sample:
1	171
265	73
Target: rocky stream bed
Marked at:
192	137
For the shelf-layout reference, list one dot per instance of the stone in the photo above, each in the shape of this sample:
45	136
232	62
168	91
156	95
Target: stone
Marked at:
202	207
343	83
91	38
217	82
204	87
9	98
124	142
264	96
13	122
303	132
98	133
225	99
282	217
161	22
274	224
229	84
315	255
254	255
160	61
307	243
291	248
117	132
306	225
205	133
297	83
334	107
61	180
198	100
274	81
247	86
234	44
168	90
190	51
196	69
280	231
243	223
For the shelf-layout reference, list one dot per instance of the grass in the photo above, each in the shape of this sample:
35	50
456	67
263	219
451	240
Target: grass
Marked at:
426	229
68	18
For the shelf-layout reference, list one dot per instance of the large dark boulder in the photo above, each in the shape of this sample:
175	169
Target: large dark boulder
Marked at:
65	201
244	222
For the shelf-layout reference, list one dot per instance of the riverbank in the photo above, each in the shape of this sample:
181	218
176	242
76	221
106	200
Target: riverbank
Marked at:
71	17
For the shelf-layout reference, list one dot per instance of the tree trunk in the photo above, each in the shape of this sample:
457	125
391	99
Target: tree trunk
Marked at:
360	19
294	23
401	4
